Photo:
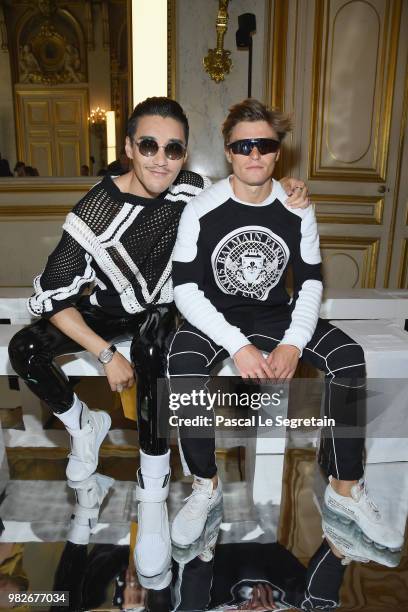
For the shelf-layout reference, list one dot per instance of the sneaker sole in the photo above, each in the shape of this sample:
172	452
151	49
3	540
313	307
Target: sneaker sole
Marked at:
158	582
107	421
347	520
351	529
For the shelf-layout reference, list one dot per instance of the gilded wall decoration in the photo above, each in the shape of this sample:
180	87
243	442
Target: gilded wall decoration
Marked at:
218	62
49	48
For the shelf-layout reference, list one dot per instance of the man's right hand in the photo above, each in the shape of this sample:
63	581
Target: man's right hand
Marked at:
119	373
251	363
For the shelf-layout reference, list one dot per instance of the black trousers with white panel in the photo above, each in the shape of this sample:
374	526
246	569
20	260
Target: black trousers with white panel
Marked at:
192	354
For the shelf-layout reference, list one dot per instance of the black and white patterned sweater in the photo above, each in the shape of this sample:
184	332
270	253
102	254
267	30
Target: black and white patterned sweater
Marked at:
121	243
232	257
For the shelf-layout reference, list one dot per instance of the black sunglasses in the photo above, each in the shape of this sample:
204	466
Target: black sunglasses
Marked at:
149	147
246	146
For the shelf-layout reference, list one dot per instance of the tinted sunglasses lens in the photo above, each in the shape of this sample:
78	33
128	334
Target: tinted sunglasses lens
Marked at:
241	147
264	146
174	150
267	145
148	147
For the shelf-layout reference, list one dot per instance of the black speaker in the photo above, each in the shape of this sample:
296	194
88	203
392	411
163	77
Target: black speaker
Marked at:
246	27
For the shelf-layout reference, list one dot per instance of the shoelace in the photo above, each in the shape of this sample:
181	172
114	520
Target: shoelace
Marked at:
369	502
206	555
195	507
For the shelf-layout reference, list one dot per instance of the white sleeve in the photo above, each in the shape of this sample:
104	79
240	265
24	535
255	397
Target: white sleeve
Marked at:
308	287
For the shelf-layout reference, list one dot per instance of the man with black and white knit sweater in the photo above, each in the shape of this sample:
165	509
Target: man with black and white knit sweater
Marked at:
119	238
234	246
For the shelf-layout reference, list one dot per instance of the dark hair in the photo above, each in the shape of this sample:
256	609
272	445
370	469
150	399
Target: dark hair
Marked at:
30	171
5	168
253	110
164	107
19	164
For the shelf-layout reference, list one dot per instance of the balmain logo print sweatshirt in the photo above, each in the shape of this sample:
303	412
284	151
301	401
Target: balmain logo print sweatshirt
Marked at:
233	257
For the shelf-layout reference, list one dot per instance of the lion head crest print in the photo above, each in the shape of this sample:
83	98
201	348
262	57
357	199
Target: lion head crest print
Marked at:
249	262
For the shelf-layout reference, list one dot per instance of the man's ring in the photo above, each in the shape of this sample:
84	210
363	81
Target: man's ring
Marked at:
119	388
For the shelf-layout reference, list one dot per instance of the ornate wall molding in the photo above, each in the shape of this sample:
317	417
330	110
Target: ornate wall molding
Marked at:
361	252
367	210
50	49
367	161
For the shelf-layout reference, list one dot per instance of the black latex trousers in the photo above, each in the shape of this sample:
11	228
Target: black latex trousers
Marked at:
33	351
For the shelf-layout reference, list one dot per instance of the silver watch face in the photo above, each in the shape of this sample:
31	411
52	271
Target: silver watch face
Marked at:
106	355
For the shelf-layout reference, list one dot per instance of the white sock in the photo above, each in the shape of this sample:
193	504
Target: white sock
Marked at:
154	466
71	417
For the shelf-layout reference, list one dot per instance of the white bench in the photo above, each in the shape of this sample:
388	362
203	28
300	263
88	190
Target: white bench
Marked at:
265	455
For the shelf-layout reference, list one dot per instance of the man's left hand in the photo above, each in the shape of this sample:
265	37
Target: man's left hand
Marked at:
297	192
283	361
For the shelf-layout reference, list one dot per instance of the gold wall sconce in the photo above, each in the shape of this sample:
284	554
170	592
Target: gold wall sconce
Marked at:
218	62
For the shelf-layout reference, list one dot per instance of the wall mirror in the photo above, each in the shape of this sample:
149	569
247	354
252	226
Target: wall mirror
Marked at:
65	69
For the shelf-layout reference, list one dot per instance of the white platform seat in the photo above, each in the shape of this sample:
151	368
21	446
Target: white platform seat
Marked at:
384	342
264	456
386	352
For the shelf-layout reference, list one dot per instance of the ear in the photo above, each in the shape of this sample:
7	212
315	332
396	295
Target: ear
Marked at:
185	157
228	155
277	155
128	147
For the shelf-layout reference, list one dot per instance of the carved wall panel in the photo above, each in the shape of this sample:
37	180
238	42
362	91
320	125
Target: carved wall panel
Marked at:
349	262
349	209
40	153
353	87
340	68
49	46
69	157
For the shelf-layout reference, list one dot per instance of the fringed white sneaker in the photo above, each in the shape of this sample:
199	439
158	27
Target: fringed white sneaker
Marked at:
152	553
361	510
190	521
89	494
85	443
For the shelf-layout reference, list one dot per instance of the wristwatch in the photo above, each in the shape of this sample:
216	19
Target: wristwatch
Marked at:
106	355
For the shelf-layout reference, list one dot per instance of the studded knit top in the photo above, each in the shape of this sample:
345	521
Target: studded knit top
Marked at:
118	243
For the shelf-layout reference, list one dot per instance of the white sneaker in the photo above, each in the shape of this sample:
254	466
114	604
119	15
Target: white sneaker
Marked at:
190	521
89	494
152	553
349	541
85	443
361	511
204	546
